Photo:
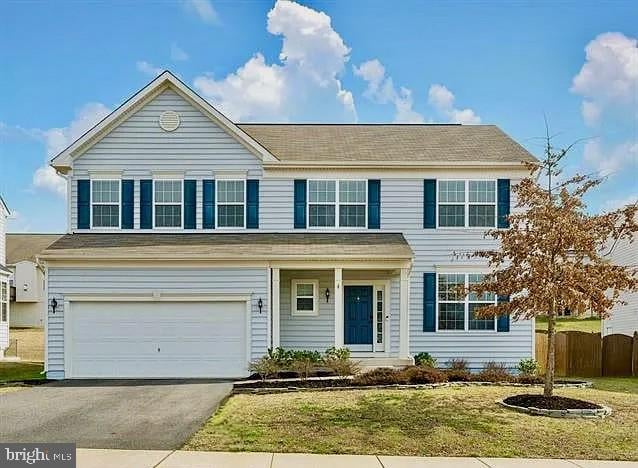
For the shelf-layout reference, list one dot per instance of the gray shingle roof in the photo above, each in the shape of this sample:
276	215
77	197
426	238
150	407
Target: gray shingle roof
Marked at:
231	246
406	143
27	246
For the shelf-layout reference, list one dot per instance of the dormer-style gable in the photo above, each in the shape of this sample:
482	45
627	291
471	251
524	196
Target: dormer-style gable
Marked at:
167	120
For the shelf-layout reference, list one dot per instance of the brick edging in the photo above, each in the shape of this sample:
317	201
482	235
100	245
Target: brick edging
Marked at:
564	413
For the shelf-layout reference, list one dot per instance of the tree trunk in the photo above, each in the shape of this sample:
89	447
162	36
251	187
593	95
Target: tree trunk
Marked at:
551	354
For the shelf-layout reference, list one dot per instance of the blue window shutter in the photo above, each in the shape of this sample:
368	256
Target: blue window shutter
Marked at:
252	204
190	204
503	208
128	187
374	204
300	204
429	302
146	204
208	215
503	321
429	203
84	204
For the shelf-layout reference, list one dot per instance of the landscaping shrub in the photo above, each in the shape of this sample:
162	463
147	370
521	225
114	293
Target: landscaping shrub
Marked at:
265	366
424	359
305	362
494	372
338	361
457	371
528	367
281	356
422	375
528	379
380	376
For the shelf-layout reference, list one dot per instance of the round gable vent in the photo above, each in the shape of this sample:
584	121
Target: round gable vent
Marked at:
169	120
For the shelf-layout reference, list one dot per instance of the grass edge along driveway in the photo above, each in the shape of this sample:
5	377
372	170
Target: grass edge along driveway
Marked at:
453	421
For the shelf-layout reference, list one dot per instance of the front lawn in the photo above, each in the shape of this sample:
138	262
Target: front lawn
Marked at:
454	421
588	324
614	384
17	371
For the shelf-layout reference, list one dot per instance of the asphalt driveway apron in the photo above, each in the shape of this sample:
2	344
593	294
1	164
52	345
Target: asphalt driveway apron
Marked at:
131	414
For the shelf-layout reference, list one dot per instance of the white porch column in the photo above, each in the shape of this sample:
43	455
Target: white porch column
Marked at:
338	298
404	314
275	307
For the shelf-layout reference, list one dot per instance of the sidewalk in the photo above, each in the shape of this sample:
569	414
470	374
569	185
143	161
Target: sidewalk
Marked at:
98	458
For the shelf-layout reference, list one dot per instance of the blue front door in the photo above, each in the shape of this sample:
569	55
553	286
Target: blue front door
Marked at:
358	315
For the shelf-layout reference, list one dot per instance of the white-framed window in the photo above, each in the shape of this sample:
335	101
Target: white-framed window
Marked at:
337	203
304	297
105	203
231	203
168	210
455	311
4	301
466	203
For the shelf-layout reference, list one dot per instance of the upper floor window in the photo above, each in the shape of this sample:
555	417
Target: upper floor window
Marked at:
105	203
167	196
457	311
231	201
324	199
469	203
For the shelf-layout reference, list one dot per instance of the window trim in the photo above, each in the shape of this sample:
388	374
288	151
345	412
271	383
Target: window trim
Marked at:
217	204
466	304
467	203
181	226
337	204
119	204
7	299
293	298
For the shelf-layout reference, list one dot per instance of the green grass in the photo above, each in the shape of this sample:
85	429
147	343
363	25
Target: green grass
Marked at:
17	371
452	421
615	384
588	324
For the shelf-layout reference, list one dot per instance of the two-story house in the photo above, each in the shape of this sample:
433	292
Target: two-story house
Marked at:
5	274
195	243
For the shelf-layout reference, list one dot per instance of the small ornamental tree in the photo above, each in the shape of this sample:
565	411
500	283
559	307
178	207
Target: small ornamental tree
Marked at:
554	254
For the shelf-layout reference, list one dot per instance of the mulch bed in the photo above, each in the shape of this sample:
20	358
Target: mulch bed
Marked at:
549	403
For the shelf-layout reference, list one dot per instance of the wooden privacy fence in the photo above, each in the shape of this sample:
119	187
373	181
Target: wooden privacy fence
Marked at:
588	355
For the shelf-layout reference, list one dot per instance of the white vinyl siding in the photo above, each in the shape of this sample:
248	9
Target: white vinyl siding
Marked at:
624	317
138	280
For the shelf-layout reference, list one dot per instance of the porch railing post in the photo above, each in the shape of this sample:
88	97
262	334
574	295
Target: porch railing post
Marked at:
338	298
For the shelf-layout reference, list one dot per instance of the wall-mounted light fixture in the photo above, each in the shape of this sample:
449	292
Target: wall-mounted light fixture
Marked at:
25	287
260	304
54	304
327	295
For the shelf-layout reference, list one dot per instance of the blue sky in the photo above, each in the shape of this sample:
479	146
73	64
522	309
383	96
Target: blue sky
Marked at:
66	64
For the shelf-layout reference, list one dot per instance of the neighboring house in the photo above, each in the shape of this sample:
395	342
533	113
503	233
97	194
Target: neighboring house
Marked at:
195	244
624	318
4	281
27	280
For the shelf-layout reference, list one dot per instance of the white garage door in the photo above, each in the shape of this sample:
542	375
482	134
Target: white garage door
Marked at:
156	339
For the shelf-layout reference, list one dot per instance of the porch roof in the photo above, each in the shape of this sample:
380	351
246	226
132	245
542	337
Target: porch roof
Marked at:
244	246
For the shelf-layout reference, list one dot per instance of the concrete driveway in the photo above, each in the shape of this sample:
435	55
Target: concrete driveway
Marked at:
132	414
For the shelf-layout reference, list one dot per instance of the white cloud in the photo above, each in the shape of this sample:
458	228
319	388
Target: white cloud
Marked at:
609	160
381	89
609	76
57	139
203	9
148	68
311	60
442	99
177	53
614	204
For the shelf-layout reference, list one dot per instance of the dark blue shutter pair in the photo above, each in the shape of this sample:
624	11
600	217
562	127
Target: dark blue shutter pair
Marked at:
208	195
429	306
252	204
84	203
429	203
374	204
503	205
190	204
146	204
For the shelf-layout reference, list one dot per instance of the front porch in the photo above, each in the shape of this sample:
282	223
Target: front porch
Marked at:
363	309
